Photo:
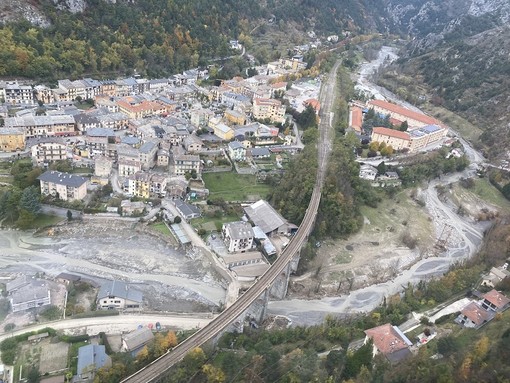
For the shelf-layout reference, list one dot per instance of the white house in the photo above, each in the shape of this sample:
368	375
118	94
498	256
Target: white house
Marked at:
236	151
238	236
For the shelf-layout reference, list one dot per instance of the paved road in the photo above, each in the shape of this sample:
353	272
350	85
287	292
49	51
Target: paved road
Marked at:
119	324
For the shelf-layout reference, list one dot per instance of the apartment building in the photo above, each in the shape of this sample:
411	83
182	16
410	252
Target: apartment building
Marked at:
270	109
65	186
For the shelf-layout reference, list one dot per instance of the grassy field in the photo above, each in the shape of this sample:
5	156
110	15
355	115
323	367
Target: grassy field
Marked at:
484	189
43	220
212	224
161	227
235	187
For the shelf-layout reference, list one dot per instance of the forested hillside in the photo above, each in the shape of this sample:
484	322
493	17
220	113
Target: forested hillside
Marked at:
160	37
459	51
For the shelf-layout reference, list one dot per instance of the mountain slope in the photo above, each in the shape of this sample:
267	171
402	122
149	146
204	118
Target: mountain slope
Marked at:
76	37
460	50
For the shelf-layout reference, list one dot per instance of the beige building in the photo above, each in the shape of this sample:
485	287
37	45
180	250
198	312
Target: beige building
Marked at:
266	108
128	167
65	186
414	119
238	236
12	139
117	295
48	150
413	140
192	143
396	139
43	126
103	166
185	163
146	185
224	132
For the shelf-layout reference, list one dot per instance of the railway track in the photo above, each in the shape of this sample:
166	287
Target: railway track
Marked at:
156	370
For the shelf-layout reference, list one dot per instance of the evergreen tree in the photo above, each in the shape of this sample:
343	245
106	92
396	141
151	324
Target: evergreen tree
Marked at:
29	200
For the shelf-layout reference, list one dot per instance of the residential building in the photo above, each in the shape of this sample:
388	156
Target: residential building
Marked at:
495	301
129	208
235	117
200	117
367	172
238	236
91	358
495	276
163	157
295	63
147	154
186	163
107	88
86	122
223	132
117	295
31	295
474	316
12	139
141	109
15	94
389	341
44	94
235	100
98	139
146	185
43	126
103	166
65	186
136	340
47	150
186	210
270	109
129	167
192	143
116	121
258	153
236	151
106	103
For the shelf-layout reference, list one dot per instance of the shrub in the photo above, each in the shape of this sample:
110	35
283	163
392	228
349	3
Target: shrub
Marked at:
74	338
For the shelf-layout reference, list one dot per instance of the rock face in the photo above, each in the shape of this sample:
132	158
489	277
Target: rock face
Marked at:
13	10
432	18
73	6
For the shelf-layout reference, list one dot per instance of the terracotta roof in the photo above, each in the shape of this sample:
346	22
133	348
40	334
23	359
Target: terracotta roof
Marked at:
279	84
476	314
391	133
356	117
387	339
314	103
497	299
405	112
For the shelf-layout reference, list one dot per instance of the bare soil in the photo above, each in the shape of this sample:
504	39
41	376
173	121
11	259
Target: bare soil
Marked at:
394	236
